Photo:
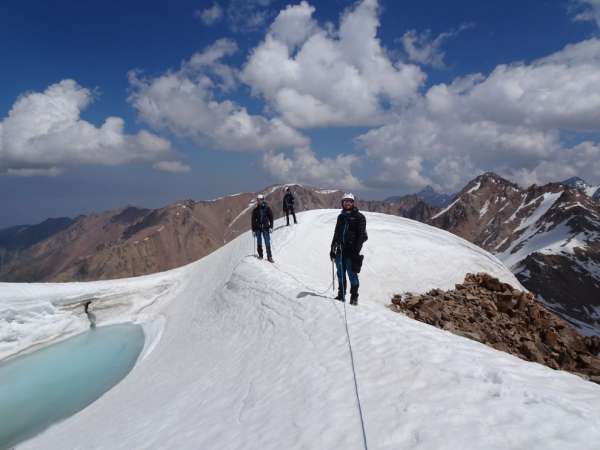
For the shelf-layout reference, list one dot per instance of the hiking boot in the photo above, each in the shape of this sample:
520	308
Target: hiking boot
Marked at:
354	295
260	252
340	296
270	259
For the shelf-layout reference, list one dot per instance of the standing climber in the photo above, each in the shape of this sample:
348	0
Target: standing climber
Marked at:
348	238
288	206
262	225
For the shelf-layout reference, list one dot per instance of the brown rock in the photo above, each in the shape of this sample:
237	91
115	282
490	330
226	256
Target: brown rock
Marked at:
550	337
492	284
525	328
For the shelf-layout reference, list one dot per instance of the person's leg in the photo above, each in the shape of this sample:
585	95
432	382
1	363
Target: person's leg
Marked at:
341	277
353	282
351	275
287	217
267	237
259	243
294	215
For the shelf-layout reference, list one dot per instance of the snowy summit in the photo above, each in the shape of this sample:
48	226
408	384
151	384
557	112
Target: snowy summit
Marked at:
242	354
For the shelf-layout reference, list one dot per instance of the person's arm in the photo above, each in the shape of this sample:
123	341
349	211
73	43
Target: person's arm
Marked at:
252	221
362	233
270	214
335	240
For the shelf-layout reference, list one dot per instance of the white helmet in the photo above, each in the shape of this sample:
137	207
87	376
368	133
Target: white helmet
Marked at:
348	196
260	197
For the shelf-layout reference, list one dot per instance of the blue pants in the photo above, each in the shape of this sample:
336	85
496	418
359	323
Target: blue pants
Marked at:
259	237
344	267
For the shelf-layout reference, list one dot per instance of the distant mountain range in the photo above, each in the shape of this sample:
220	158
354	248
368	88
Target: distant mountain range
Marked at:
429	195
578	183
549	236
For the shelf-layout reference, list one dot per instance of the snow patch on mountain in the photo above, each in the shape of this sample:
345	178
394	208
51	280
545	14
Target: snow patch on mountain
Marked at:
475	187
547	200
446	209
484	208
557	240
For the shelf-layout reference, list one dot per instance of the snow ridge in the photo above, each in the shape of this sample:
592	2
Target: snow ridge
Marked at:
252	355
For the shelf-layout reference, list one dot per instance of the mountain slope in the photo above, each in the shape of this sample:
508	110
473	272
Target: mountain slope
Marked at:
244	354
14	240
580	184
136	241
548	235
429	196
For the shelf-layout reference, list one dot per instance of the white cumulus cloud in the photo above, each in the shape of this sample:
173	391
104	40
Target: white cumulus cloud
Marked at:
317	76
248	15
210	16
305	167
424	49
43	133
587	10
509	121
185	103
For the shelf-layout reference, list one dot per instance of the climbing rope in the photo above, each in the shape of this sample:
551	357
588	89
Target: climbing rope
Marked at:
349	340
301	283
360	412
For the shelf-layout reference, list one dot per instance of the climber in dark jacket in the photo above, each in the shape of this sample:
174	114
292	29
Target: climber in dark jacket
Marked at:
262	225
348	238
288	206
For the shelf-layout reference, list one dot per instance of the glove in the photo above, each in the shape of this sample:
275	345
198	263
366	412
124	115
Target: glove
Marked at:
271	230
332	255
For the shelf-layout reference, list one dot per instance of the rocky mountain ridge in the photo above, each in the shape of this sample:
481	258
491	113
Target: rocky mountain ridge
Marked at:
429	196
549	236
137	241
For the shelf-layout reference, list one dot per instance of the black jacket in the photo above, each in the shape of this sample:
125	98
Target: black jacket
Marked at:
288	202
267	218
350	233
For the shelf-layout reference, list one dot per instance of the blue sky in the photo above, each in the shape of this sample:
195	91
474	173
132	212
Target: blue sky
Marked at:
209	98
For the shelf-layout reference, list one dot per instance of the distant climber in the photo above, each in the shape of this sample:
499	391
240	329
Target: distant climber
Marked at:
348	238
262	225
288	206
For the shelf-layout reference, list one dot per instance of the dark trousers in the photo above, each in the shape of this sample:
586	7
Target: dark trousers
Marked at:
344	266
287	215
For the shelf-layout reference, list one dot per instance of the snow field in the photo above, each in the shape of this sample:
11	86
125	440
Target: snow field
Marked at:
251	355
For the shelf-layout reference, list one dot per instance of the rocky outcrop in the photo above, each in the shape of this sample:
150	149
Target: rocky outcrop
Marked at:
486	310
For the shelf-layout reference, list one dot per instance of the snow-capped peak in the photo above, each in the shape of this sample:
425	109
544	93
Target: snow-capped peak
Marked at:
575	182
